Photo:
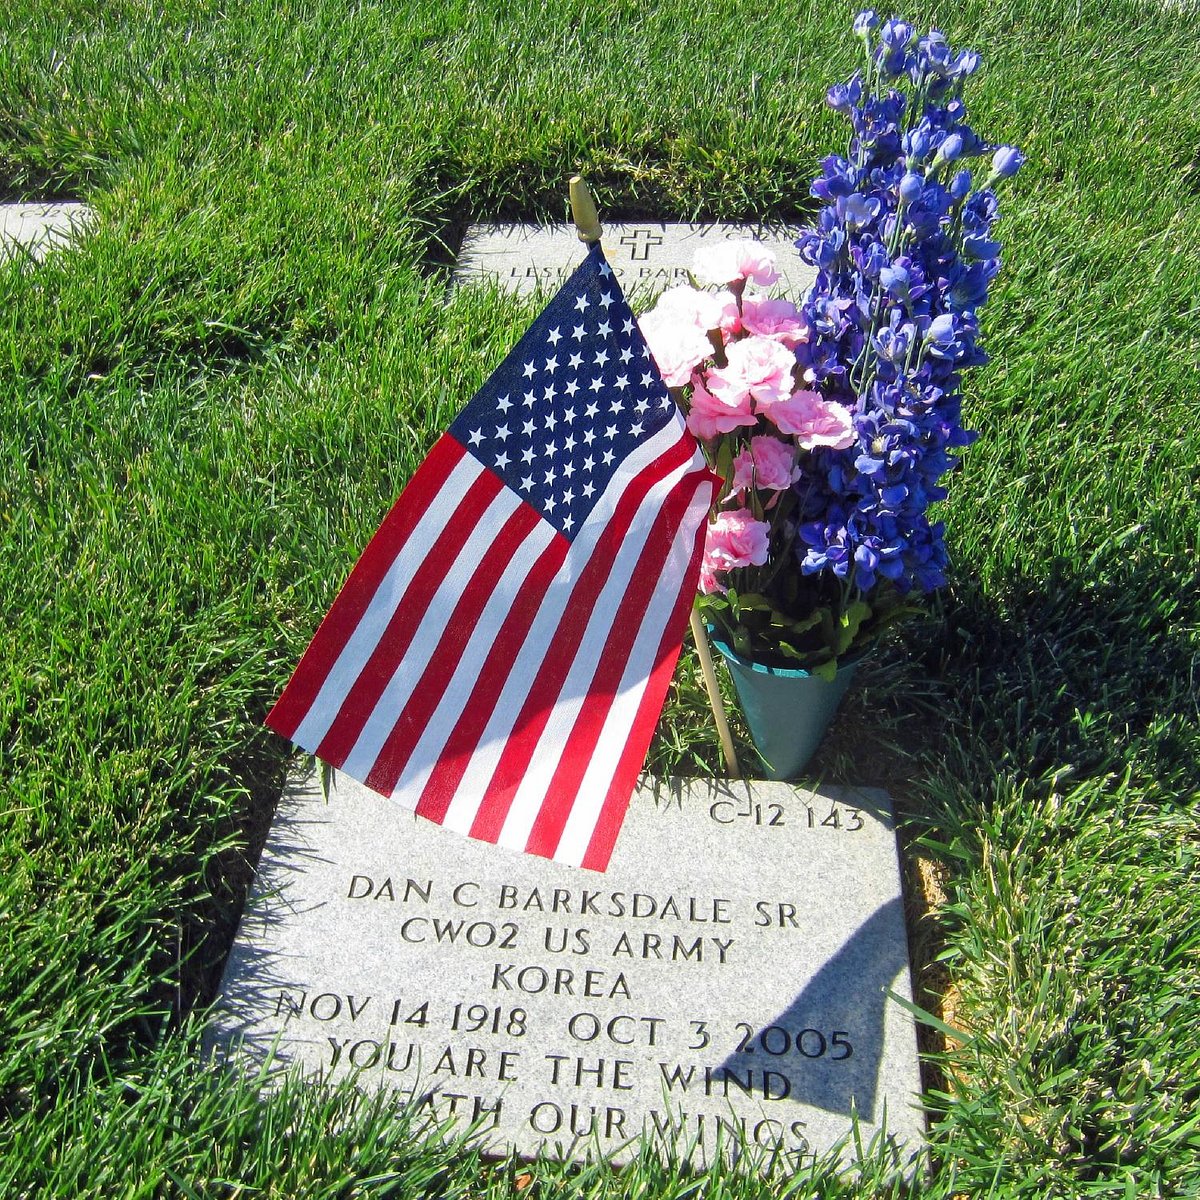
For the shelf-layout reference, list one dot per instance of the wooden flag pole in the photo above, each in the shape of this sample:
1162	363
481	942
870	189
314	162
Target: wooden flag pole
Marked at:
714	696
587	222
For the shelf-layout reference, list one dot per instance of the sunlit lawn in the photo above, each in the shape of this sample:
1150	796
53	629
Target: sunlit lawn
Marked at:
208	406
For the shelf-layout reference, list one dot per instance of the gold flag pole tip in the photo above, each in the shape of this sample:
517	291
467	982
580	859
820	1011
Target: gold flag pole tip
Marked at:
583	211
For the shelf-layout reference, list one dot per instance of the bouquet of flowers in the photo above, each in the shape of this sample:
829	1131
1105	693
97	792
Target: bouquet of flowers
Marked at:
833	423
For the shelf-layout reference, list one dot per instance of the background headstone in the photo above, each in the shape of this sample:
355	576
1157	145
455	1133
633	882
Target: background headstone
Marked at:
727	978
647	256
40	228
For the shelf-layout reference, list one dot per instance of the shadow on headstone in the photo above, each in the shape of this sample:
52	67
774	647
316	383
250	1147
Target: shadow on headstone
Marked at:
827	1044
261	966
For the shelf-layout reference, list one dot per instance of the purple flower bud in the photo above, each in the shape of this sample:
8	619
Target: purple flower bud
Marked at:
935	53
965	64
1007	161
838	98
865	22
951	148
960	185
911	186
916	143
941	330
896	34
858	210
895	281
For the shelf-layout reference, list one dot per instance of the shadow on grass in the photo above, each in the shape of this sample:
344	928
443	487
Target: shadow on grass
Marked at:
211	923
535	192
1072	674
1075	672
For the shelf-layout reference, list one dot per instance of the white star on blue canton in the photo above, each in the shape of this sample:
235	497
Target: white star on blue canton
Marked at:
578	332
502	461
575	361
502	433
504	404
581	303
530	370
551	365
554	337
476	438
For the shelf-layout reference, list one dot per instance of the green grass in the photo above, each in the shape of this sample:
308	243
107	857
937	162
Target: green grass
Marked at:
208	407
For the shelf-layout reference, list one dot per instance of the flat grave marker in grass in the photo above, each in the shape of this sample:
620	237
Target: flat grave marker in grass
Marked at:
39	228
646	256
726	980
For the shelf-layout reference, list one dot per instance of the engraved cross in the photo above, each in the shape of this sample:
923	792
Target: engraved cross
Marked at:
639	242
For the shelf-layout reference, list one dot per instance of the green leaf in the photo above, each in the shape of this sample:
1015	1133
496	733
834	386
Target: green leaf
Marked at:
827	670
849	624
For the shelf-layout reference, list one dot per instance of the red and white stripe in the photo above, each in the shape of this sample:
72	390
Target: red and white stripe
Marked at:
495	677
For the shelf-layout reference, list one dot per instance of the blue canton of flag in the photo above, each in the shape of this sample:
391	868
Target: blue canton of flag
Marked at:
570	403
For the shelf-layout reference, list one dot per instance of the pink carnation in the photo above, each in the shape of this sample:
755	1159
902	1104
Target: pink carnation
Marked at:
706	310
708	416
756	367
767	463
814	421
776	319
735	260
733	539
676	343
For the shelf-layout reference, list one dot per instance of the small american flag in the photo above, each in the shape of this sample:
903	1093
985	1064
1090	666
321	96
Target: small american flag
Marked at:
498	657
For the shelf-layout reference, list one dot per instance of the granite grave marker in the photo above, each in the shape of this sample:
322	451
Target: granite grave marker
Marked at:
38	228
647	256
725	983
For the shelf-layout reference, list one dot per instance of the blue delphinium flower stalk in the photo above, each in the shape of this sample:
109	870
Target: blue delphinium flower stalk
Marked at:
904	258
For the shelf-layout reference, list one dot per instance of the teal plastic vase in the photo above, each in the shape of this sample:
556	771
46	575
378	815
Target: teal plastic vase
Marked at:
787	711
